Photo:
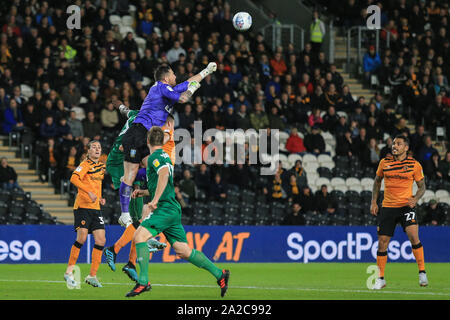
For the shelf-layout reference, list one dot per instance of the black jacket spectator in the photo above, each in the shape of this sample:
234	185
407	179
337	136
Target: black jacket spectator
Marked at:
295	218
314	141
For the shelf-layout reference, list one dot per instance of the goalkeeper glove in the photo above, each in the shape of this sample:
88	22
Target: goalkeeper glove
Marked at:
212	66
193	86
125	219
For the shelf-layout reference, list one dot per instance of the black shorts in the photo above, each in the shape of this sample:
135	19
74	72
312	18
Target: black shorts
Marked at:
388	218
90	219
134	143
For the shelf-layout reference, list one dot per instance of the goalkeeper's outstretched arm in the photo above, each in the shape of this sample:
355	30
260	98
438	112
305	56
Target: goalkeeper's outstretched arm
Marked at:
194	82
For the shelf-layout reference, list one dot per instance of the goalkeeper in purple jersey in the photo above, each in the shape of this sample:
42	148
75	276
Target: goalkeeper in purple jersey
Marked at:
154	111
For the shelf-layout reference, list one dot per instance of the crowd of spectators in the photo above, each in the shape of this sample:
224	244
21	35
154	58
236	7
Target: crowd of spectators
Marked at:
75	74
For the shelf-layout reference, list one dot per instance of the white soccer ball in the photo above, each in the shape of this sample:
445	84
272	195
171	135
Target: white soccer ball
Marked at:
242	21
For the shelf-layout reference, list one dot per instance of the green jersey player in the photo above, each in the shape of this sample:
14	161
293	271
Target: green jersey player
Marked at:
166	218
114	166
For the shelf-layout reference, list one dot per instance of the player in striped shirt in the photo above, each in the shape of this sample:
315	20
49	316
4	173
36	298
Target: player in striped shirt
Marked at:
88	218
399	173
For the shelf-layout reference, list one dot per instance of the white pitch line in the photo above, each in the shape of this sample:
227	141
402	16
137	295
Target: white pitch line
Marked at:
257	288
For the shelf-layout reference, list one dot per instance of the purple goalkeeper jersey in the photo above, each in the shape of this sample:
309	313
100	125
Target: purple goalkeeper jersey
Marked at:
159	103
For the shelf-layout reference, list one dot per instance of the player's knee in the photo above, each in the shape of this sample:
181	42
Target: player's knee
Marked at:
182	250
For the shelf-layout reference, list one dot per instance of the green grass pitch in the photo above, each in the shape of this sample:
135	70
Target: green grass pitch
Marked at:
248	281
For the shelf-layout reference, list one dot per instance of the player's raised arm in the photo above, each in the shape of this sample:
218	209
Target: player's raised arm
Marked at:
212	67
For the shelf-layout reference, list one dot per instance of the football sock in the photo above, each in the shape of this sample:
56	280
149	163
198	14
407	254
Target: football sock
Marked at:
126	237
125	194
96	259
417	250
74	252
133	255
198	259
143	257
381	262
141	175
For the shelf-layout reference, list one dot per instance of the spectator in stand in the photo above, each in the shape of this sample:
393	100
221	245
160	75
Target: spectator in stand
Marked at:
187	187
295	218
371	62
332	97
275	121
203	178
307	200
330	120
63	129
258	118
278	65
434	214
50	161
347	100
76	126
71	95
374	153
91	127
444	167
294	143
277	193
307	84
12	118
109	117
387	149
417	139
341	127
325	203
69	163
345	145
358	115
387	119
300	174
218	189
314	119
314	141
373	130
431	168
426	151
293	189
31	118
48	128
8	176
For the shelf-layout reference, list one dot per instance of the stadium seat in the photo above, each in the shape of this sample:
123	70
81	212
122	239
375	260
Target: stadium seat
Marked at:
440	194
294	157
312	176
127	21
337	182
248	196
325	172
283	136
115	19
324	158
355	188
311	166
322	180
308	158
352	196
352	182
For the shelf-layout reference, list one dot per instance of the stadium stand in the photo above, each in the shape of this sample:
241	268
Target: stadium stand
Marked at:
56	86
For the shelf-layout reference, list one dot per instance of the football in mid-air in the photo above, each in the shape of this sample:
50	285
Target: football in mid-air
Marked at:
242	21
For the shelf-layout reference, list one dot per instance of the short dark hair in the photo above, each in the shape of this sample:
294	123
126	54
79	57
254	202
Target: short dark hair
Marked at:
405	139
155	136
161	72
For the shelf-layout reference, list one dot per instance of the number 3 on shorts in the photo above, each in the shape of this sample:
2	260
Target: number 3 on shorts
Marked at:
410	215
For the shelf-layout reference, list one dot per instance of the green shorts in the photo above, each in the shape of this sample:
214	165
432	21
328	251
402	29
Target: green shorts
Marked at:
135	208
166	219
114	166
